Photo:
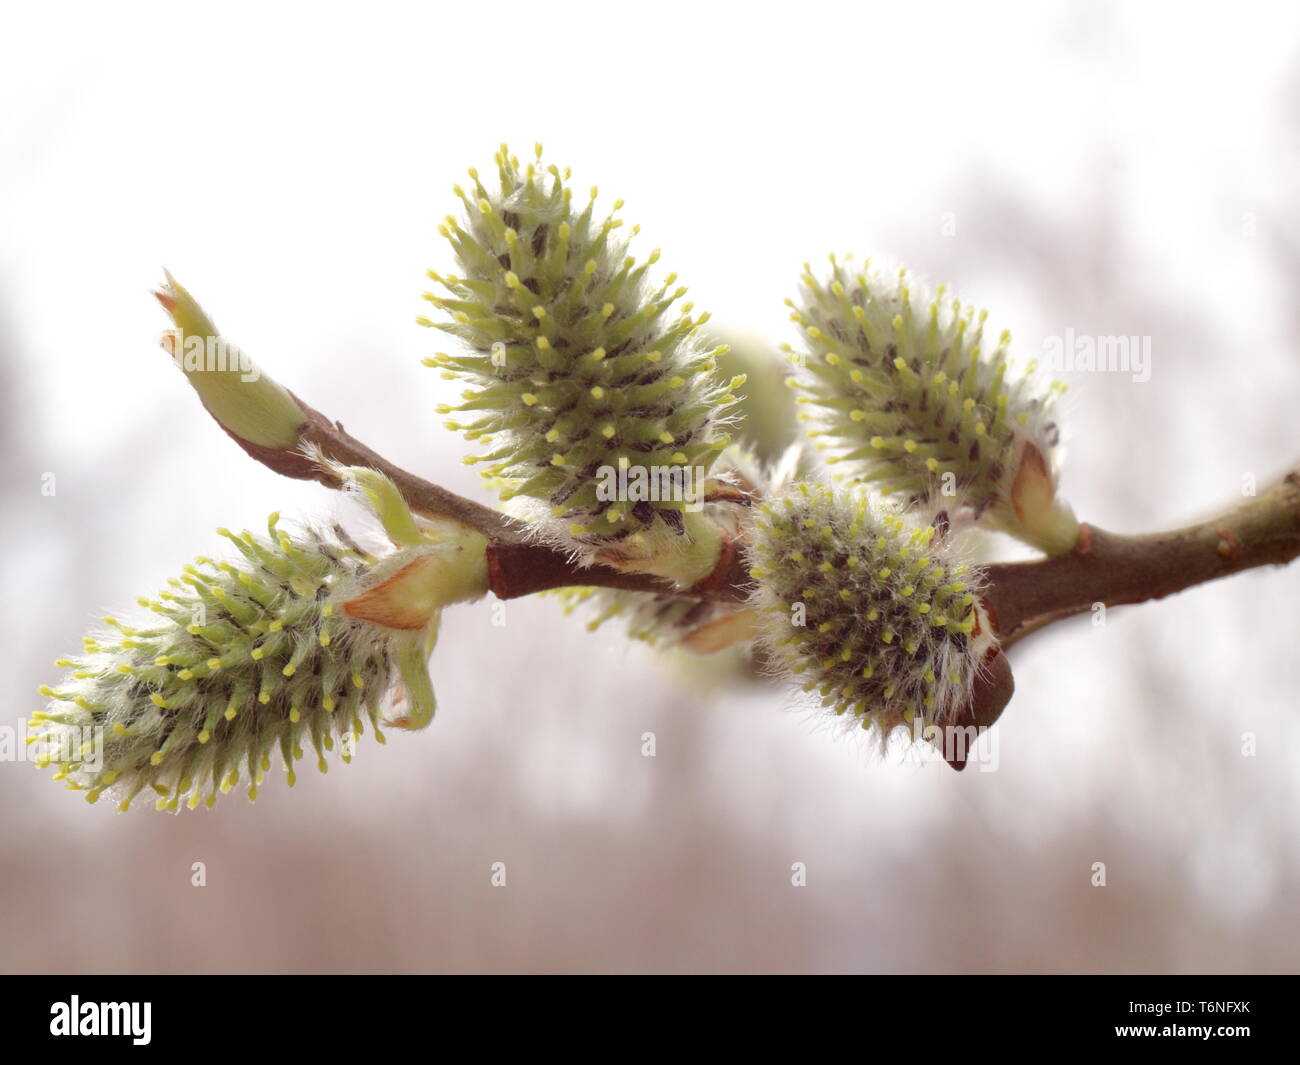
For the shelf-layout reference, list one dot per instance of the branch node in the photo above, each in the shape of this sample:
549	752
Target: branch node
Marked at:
1229	548
1084	546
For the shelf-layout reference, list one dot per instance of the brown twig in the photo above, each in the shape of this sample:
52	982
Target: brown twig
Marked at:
518	563
338	444
1114	570
1022	597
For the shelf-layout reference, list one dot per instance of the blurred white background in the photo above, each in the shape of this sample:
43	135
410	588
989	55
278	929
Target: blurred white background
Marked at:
1108	168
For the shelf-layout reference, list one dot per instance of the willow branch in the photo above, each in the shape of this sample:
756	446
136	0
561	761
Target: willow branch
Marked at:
518	563
1116	569
1022	597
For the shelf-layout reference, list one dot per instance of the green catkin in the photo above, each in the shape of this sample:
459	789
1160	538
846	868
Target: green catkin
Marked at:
576	364
902	389
864	606
234	665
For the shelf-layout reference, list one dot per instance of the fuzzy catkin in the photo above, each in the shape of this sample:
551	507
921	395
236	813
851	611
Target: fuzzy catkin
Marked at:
575	363
236	662
864	603
901	389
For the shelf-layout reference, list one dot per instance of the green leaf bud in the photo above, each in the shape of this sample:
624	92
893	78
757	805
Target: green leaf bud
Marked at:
245	402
